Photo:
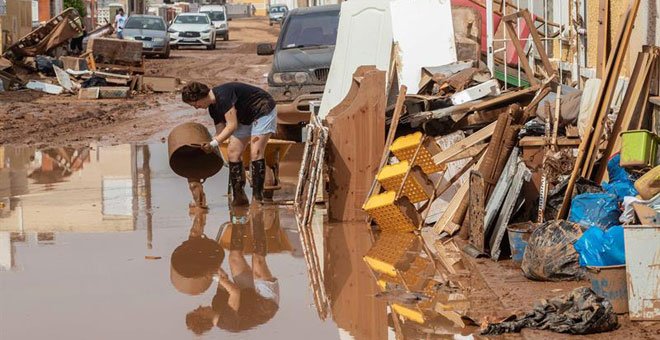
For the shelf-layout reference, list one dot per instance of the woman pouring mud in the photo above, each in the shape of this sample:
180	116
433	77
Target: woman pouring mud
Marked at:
242	114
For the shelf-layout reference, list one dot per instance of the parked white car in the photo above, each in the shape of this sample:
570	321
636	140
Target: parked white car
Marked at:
218	15
192	29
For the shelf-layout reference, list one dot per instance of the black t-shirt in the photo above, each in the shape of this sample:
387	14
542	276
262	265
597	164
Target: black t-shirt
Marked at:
250	102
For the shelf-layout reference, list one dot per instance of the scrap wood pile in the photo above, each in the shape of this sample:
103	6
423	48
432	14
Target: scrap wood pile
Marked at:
482	159
109	68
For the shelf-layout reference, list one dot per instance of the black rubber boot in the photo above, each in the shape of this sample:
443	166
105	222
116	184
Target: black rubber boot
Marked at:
237	179
258	178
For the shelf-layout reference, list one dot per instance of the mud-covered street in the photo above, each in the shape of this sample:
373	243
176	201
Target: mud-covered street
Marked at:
440	208
34	118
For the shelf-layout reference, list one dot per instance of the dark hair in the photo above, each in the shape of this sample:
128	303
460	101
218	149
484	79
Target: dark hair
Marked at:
198	323
194	91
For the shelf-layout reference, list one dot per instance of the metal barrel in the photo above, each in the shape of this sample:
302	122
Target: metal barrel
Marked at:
187	159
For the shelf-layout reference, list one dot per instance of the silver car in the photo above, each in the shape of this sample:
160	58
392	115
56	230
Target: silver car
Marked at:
192	29
151	30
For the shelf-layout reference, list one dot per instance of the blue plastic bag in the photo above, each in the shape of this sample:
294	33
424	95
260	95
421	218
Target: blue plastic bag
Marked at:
595	209
620	183
601	248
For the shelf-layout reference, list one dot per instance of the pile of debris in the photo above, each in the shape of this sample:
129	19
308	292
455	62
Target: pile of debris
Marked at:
474	162
109	68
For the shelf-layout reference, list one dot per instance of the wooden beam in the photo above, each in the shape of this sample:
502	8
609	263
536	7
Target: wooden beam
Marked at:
445	155
603	28
469	152
477	207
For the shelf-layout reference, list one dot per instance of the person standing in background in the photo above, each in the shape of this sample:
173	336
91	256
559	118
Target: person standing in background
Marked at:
120	21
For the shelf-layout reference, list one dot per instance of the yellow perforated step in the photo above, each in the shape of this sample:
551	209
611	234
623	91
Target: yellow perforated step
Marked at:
404	149
391	214
417	188
391	252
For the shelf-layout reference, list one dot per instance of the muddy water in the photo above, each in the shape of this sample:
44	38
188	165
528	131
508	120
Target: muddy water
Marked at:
86	243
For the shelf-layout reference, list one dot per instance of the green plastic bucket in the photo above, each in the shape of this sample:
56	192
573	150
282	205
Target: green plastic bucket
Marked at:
638	149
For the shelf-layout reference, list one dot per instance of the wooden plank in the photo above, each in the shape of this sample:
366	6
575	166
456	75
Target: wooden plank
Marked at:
356	143
469	141
522	56
444	224
547	66
604	98
628	109
623	39
398	109
160	84
603	28
522	174
477	210
469	152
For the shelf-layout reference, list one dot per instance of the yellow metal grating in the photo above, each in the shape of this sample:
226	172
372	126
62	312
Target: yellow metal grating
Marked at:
389	252
390	177
387	214
404	149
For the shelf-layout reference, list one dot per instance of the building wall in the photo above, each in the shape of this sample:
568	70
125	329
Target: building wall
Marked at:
16	23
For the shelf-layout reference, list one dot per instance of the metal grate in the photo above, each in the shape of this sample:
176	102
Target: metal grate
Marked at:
144	38
190	34
322	73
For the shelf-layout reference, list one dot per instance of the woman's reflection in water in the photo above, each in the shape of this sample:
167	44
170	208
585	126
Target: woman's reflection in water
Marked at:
251	296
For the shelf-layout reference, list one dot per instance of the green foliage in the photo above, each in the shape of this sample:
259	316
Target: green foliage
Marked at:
79	5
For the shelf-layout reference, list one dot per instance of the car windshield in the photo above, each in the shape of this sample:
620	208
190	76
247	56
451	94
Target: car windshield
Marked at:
278	9
313	29
192	19
156	24
216	16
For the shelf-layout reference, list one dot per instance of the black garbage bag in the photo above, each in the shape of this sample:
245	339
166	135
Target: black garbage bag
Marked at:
45	65
94	81
556	195
550	255
579	312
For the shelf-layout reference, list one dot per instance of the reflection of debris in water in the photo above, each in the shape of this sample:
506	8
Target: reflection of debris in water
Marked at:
415	290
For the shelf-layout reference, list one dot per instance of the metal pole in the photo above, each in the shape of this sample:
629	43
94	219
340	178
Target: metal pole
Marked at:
490	58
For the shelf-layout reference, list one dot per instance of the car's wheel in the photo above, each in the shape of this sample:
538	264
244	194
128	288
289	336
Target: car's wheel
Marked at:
226	37
175	47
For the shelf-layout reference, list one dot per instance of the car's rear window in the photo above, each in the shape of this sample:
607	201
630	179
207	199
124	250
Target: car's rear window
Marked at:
215	15
192	19
311	29
156	24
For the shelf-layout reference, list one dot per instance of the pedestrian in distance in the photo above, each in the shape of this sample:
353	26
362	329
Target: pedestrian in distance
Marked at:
242	114
120	22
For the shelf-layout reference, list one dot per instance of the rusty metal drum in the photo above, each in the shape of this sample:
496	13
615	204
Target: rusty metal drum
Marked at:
187	159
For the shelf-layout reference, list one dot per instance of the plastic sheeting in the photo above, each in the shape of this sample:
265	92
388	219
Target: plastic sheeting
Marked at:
598	248
595	209
579	312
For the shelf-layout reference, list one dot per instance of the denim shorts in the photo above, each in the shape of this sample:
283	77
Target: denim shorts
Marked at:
263	125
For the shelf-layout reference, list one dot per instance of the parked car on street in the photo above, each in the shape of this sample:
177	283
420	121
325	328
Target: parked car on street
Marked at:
277	13
301	63
151	30
218	15
192	29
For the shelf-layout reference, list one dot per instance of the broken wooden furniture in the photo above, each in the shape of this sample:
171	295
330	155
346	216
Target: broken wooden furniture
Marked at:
117	54
356	139
311	172
57	31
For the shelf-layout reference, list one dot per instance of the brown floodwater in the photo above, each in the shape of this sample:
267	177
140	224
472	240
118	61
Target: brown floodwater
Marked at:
87	238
